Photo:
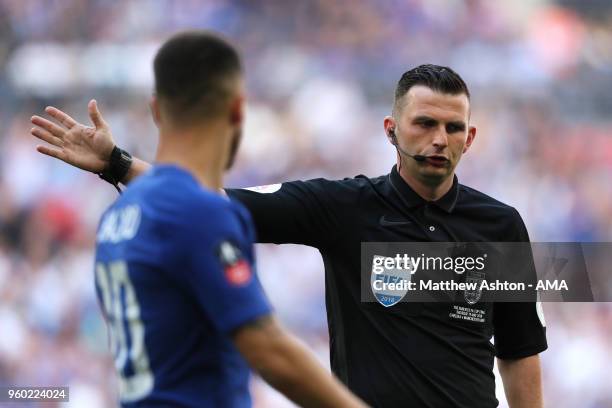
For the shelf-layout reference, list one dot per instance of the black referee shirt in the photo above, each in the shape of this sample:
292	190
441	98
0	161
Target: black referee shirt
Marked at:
410	354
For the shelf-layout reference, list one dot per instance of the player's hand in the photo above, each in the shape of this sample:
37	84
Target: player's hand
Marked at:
88	148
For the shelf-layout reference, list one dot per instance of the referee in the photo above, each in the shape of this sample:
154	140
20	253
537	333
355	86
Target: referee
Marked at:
411	354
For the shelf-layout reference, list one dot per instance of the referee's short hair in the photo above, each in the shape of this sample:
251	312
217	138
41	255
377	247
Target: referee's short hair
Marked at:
437	78
195	76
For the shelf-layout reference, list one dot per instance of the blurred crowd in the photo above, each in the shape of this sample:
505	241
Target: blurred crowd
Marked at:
320	76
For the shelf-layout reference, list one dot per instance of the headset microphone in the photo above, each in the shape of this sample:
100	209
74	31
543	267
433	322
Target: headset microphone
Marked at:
416	157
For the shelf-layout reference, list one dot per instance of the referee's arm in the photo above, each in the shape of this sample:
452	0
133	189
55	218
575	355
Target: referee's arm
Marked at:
522	381
296	212
520	335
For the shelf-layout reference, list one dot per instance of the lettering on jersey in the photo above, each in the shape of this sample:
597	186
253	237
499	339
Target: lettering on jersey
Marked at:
268	188
236	269
469	314
119	225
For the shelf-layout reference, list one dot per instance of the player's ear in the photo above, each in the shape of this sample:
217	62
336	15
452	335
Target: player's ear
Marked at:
470	138
236	110
155	112
390	126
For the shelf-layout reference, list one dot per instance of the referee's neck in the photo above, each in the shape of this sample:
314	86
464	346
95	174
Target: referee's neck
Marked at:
428	189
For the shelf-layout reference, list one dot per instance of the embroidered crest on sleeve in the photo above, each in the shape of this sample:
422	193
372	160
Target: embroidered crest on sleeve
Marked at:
236	268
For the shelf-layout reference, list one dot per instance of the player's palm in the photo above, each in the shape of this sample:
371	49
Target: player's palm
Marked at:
88	148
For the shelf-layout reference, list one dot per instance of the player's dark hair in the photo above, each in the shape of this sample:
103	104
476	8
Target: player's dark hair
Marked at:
437	78
195	73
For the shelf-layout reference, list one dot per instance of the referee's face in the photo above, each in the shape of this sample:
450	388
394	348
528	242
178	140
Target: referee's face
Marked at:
435	125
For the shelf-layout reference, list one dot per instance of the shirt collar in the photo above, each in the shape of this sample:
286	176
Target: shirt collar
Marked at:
446	202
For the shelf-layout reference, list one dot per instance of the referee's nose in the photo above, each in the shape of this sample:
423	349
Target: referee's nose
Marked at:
440	139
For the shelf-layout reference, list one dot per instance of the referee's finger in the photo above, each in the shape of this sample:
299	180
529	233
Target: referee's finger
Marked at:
95	115
52	151
61	116
46	136
55	130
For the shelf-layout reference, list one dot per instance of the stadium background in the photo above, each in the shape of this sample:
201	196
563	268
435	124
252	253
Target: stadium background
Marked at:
320	79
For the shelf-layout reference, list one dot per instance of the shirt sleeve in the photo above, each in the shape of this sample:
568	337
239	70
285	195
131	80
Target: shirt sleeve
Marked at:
297	212
220	270
519	327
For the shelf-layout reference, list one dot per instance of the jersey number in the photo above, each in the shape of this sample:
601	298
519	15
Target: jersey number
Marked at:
123	313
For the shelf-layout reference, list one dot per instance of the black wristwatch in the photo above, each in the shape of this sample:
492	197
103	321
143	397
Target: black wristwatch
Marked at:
118	167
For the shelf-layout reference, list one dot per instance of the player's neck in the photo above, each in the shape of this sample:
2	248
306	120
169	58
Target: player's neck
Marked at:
201	151
428	192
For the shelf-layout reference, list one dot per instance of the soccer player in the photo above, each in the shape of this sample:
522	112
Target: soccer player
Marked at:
410	354
174	265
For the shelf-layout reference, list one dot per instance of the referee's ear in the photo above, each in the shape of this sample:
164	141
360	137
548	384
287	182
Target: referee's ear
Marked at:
470	138
389	125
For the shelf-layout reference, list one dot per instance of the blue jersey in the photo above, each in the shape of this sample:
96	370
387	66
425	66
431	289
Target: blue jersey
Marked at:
175	276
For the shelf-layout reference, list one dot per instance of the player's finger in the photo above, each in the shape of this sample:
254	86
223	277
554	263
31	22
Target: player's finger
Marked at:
52	151
45	136
55	129
95	115
61	117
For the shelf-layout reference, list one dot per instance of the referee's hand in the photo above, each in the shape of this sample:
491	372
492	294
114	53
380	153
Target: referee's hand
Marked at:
88	148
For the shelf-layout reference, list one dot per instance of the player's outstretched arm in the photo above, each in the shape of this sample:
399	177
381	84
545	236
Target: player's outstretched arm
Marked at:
287	365
86	147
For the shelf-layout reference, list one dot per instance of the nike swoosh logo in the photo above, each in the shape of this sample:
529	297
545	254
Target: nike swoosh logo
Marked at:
388	223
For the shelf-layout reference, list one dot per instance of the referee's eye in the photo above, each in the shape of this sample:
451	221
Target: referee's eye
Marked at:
428	124
455	127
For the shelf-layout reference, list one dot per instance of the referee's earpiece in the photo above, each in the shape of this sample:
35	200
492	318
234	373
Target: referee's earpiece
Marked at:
394	143
393	137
